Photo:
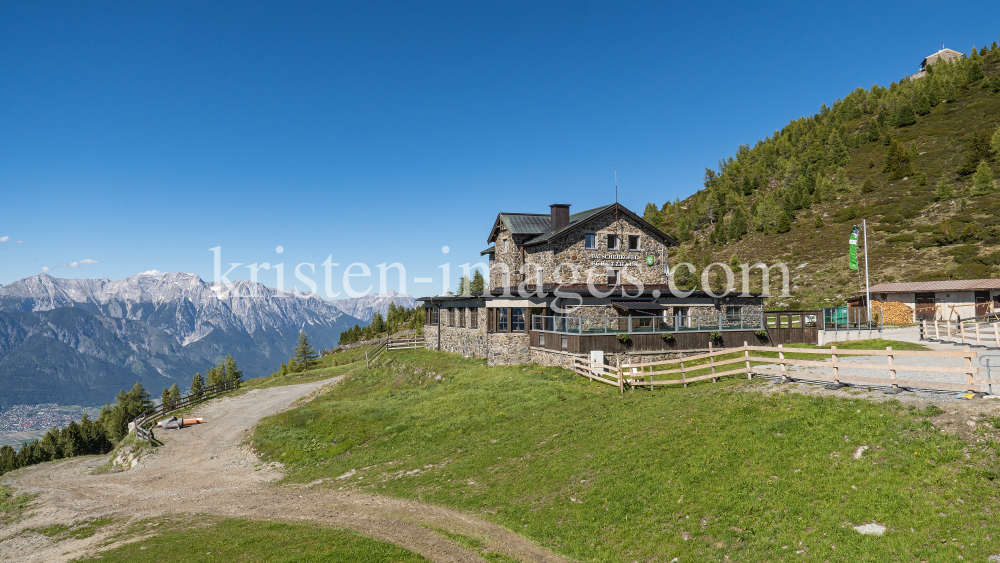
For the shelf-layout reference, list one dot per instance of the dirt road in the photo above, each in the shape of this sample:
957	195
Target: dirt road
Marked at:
205	469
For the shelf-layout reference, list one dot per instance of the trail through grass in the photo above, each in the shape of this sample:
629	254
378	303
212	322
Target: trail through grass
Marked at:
705	472
251	541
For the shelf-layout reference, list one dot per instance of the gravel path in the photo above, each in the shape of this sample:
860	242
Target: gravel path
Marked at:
207	469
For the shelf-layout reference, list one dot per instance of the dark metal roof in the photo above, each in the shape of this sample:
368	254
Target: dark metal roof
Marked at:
490	250
526	224
577	220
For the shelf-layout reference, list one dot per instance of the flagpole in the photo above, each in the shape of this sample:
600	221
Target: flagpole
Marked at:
868	293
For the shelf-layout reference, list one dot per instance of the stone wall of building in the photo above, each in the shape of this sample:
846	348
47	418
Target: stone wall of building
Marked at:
570	252
498	348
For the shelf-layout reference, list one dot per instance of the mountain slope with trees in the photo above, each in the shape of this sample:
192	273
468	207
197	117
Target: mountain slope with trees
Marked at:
918	159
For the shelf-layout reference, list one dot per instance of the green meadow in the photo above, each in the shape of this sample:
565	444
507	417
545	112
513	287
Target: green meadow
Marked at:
734	469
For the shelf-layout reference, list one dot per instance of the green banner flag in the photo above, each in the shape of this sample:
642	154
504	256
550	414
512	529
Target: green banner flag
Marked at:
854	248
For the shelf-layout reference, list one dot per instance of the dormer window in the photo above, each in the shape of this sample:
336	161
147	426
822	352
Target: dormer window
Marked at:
612	242
506	247
590	241
633	242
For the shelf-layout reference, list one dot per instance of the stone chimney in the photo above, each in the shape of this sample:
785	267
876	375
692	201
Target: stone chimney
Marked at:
559	212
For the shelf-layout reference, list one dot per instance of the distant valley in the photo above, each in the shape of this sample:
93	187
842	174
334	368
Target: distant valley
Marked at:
78	341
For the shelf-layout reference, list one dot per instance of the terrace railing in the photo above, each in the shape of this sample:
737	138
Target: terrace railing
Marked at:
978	329
637	324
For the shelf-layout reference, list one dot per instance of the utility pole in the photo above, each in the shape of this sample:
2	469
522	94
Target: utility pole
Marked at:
868	293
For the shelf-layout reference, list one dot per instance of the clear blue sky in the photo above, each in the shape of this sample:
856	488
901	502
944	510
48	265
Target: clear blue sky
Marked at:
139	135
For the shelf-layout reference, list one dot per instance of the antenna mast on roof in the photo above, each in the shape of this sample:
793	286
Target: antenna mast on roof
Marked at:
618	227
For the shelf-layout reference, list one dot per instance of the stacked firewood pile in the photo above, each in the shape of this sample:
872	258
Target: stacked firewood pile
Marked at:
893	312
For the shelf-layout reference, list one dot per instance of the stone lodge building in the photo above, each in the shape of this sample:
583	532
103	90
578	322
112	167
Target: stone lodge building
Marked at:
593	284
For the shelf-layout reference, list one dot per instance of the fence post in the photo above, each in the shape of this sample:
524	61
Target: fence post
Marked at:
968	367
978	343
892	366
746	354
683	376
961	330
923	329
996	334
781	359
621	378
711	359
836	368
948	327
937	331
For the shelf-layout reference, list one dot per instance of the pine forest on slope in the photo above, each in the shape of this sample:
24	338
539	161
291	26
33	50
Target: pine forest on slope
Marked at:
918	160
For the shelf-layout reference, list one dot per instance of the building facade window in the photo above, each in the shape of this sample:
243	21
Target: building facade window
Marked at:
517	319
473	317
733	312
434	315
612	242
633	242
502	321
451	316
461	317
590	241
613	277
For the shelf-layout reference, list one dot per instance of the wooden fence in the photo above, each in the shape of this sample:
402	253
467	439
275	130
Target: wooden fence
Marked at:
984	334
652	374
406	343
152	415
392	344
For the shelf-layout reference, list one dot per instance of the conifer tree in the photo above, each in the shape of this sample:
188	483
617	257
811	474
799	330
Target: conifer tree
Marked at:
784	223
978	149
982	180
305	356
175	394
378	324
738	223
922	105
478	283
945	191
464	285
216	375
197	385
974	72
233	373
905	115
165	399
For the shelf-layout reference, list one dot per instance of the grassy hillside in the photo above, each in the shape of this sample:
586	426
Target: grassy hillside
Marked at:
710	472
875	155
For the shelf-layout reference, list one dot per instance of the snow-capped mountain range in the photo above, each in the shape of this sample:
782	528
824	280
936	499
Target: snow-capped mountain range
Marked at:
77	340
364	308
